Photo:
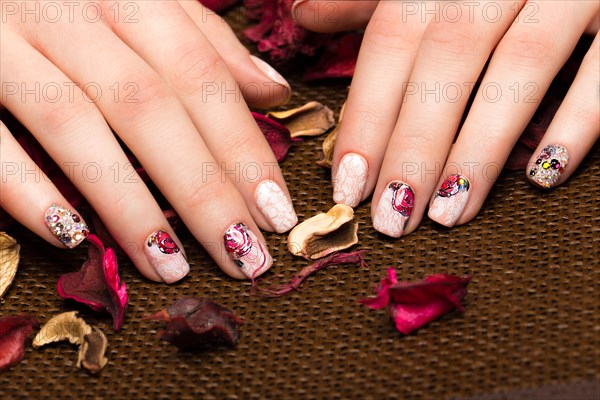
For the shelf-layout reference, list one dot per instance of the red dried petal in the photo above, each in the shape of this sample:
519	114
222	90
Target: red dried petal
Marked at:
195	323
14	331
339	59
276	134
97	284
219	5
413	305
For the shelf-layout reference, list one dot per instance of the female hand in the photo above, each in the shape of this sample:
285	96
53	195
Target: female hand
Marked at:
416	70
168	78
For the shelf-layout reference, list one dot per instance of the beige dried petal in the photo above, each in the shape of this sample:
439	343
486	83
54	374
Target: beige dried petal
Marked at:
312	119
65	326
91	353
329	143
9	260
324	234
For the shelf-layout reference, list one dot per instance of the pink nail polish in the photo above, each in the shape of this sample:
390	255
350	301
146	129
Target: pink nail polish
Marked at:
166	257
247	251
450	200
350	180
275	206
394	209
67	226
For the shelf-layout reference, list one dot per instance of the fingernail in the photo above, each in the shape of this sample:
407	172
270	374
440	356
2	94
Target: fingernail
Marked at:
69	228
166	257
549	166
275	206
350	180
270	71
247	251
394	209
295	5
450	200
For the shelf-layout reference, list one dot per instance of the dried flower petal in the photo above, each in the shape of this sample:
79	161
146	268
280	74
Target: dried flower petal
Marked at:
338	60
330	261
97	284
91	353
312	119
324	234
65	326
326	160
276	134
413	305
9	260
194	323
14	331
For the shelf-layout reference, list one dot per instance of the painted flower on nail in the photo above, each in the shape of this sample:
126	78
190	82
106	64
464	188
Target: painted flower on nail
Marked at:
453	185
403	198
238	241
164	242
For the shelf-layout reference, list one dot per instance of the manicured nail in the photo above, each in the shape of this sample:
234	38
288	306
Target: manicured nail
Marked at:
549	166
247	251
67	226
350	180
275	206
295	5
166	257
270	71
450	200
394	209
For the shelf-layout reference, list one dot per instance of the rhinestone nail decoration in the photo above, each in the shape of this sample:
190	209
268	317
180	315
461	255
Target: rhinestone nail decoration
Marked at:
246	250
549	166
67	226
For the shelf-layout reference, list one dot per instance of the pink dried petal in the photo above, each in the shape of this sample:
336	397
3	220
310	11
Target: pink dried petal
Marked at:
276	134
329	261
97	284
339	59
413	305
14	331
219	5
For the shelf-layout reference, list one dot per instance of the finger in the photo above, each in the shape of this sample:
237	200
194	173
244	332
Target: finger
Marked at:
261	85
453	51
152	122
74	133
384	65
333	16
574	129
29	196
236	142
522	68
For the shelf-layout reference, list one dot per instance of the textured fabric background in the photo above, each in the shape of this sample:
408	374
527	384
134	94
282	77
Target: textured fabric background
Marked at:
531	329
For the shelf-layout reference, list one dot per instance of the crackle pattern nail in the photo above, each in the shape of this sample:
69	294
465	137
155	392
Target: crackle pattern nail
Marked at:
247	251
394	209
166	257
67	226
450	200
275	206
549	166
350	180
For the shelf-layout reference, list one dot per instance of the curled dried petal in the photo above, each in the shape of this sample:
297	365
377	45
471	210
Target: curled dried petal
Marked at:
277	135
312	119
326	160
14	331
65	326
91	353
9	261
324	234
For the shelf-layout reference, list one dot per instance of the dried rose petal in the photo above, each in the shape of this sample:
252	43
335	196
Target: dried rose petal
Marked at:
9	261
91	353
331	261
97	284
328	147
65	326
413	305
195	323
338	60
219	5
312	119
276	134
14	331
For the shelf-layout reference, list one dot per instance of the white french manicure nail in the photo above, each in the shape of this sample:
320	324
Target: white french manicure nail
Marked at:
450	200
270	71
165	257
350	180
247	251
394	209
275	206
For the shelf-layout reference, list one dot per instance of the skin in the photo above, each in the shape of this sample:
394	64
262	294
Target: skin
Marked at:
406	134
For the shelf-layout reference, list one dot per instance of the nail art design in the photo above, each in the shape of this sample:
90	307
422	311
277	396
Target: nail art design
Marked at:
394	209
450	200
166	257
247	251
350	180
275	206
67	226
549	166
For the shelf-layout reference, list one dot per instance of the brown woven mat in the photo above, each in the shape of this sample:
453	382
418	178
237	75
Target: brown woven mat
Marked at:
531	326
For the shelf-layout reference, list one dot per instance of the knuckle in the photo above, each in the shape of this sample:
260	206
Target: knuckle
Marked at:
195	66
150	94
62	116
530	49
385	32
459	39
199	192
